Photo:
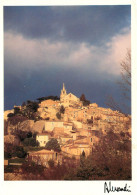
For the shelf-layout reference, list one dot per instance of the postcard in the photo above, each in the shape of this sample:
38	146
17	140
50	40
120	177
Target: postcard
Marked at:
69	99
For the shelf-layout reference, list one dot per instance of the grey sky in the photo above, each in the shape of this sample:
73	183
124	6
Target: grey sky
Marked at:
81	46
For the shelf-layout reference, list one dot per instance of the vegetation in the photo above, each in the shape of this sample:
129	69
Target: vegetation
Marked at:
47	98
29	110
58	115
32	171
53	145
125	86
110	159
51	163
22	134
15	119
17	160
83	99
30	142
62	109
11	150
90	121
5	127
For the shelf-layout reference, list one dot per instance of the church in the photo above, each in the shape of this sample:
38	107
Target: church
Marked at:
68	99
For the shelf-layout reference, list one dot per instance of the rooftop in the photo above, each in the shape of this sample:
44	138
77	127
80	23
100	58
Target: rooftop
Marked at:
44	151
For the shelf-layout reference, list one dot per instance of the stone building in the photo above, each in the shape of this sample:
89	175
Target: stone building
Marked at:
68	99
42	157
42	138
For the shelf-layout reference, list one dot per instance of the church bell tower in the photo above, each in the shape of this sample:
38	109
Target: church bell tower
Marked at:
63	93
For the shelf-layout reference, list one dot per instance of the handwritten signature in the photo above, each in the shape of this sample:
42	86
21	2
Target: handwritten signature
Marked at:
110	188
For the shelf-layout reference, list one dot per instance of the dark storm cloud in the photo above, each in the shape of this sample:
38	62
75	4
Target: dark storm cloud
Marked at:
39	83
81	46
93	24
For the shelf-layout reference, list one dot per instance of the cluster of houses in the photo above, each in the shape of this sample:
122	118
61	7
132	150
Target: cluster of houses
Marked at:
78	129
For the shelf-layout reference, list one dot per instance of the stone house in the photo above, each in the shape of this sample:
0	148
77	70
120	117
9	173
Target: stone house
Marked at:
48	103
50	125
43	156
42	138
76	149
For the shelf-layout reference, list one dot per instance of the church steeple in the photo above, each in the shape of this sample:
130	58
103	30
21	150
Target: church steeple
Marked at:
63	87
63	92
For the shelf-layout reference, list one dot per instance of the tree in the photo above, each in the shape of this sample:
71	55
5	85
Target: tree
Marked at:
58	115
5	127
16	110
29	110
62	109
47	98
126	75
10	115
30	142
51	163
32	106
111	157
15	119
11	150
125	85
21	134
82	98
53	145
32	171
86	103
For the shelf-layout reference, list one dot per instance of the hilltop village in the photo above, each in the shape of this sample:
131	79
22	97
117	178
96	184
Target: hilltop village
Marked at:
75	123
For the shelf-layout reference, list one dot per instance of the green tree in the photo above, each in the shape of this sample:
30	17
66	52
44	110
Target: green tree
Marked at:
53	145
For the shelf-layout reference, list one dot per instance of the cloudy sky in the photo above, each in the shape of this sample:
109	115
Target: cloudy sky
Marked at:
81	46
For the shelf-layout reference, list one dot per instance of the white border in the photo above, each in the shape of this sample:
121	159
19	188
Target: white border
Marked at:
66	2
69	187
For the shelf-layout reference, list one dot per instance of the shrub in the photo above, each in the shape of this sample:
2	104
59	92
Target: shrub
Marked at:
58	115
51	163
53	145
10	115
62	109
14	120
30	142
12	151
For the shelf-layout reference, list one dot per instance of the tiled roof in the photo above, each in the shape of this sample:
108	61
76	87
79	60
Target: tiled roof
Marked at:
44	151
